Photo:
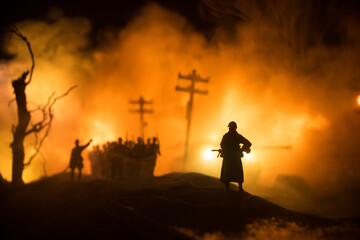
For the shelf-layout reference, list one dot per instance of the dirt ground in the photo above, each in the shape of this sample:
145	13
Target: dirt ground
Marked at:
173	206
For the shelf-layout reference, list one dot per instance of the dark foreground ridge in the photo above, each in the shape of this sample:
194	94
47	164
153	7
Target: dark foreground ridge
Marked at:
173	206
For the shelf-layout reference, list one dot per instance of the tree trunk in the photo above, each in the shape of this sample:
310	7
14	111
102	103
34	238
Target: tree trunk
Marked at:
19	132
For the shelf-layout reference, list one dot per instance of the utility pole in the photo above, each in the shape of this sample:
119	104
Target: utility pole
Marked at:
142	111
191	89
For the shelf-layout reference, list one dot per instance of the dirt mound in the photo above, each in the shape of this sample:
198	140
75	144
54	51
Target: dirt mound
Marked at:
173	206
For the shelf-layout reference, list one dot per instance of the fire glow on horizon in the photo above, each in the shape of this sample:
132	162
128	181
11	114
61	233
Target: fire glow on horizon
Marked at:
254	80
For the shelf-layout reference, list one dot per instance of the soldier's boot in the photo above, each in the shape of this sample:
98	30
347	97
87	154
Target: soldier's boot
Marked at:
227	186
241	190
72	174
79	175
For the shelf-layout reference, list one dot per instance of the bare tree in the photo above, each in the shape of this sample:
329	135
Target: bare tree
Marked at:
22	129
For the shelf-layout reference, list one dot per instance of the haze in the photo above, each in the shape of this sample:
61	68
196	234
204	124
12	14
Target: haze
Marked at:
279	80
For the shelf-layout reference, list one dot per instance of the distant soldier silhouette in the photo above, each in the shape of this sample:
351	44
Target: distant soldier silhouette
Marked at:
156	145
76	160
232	169
139	147
96	161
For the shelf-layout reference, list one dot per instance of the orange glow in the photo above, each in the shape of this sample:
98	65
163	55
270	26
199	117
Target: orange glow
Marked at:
248	156
208	155
102	132
253	85
358	100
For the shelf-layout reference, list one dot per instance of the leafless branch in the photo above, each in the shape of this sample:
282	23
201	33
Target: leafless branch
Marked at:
43	164
36	138
16	31
45	123
49	99
11	101
65	94
37	127
38	108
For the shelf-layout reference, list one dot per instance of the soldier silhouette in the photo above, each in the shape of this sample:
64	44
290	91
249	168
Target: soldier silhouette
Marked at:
156	145
139	147
96	161
76	160
232	169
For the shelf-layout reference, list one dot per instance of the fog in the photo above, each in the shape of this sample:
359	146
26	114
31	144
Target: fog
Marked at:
286	74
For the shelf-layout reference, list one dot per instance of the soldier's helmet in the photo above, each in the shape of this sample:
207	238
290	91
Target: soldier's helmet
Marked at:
232	125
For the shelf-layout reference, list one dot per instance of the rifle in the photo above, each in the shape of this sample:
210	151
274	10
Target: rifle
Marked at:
66	169
219	152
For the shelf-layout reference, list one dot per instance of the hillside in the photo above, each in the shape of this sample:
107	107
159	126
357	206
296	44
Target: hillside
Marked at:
173	206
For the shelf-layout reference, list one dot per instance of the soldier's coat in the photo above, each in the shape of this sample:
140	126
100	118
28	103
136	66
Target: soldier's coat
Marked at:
232	169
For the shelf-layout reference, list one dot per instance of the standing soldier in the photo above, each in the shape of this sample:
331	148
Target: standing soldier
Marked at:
95	157
76	160
232	169
155	146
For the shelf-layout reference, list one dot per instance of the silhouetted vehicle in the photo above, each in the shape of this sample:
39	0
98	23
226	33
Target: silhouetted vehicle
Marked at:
76	160
232	152
126	161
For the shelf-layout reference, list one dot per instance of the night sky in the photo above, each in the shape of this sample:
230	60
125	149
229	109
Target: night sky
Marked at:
107	15
205	16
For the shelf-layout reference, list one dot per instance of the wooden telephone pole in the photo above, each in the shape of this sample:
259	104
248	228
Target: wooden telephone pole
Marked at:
142	111
191	89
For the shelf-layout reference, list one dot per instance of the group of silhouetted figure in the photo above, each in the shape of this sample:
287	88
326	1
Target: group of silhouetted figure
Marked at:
108	162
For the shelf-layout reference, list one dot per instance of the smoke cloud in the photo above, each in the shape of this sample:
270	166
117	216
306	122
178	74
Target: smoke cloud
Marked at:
285	72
